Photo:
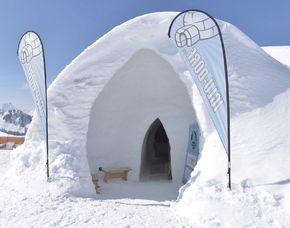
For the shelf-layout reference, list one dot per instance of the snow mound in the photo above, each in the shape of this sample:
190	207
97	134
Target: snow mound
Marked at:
260	172
281	53
259	138
255	77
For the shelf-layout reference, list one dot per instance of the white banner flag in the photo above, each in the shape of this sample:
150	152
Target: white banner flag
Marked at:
31	57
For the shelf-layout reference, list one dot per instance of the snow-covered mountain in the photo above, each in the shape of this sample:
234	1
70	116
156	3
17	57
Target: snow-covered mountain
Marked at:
13	121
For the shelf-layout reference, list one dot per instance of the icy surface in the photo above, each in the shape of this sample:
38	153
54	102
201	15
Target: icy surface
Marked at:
260	108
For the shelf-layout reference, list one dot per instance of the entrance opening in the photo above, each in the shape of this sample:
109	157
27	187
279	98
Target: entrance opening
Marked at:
156	161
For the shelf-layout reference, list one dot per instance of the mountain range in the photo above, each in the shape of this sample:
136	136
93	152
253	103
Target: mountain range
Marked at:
13	121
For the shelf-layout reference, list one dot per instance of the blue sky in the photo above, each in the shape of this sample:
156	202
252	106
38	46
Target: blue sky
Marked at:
67	27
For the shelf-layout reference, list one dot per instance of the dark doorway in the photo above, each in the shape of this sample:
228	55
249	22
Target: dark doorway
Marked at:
156	162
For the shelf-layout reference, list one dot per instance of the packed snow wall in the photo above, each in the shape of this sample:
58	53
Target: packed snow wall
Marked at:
144	89
254	77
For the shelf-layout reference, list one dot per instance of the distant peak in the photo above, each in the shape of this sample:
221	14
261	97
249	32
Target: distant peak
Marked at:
8	106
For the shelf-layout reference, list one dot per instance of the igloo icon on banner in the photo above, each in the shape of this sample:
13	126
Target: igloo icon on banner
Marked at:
32	48
196	26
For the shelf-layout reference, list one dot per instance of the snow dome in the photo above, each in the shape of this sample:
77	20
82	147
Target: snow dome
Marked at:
107	106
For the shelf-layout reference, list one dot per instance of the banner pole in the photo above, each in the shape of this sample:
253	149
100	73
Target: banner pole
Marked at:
46	110
228	109
47	154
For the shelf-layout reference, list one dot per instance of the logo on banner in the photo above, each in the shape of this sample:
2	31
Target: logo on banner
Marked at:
32	48
196	28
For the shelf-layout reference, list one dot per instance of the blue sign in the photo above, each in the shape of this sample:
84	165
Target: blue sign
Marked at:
198	40
192	151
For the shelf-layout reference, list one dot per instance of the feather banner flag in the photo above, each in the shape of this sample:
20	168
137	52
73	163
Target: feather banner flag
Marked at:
198	38
31	56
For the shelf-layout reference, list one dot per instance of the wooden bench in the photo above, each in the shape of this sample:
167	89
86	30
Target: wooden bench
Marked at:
95	180
116	173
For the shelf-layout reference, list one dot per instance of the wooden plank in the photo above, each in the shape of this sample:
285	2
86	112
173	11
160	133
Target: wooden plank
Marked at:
95	180
116	173
17	140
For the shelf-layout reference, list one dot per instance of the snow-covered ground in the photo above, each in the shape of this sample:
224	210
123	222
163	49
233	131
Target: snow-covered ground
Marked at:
260	89
3	134
21	206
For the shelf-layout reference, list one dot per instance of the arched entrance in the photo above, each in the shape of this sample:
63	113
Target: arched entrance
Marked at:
156	159
145	88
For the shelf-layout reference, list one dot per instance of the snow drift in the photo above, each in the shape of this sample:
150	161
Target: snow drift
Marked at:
259	113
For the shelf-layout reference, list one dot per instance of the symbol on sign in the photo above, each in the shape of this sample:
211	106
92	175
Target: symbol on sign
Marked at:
32	47
196	26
